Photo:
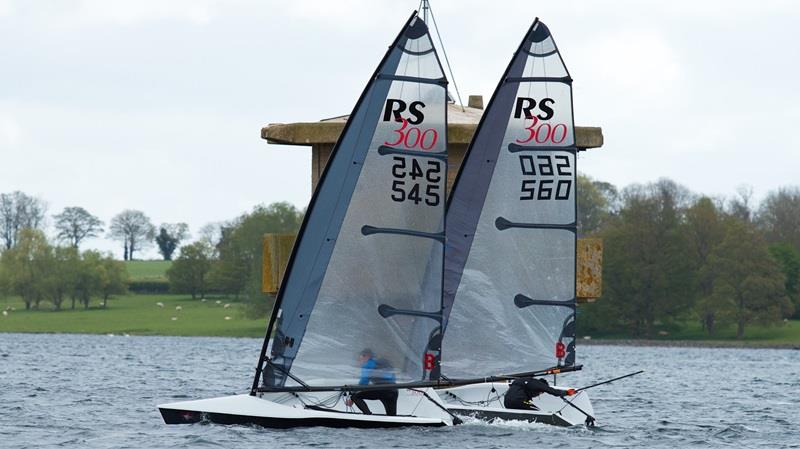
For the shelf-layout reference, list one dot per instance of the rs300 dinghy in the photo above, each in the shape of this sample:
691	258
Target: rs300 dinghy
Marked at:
304	409
510	259
360	303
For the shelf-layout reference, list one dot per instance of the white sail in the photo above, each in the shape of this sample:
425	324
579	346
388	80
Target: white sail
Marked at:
366	270
509	292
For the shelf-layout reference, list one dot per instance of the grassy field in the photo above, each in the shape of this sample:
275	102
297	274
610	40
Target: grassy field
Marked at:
149	270
788	333
137	315
141	315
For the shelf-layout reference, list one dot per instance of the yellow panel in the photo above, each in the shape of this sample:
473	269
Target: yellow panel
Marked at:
589	282
276	252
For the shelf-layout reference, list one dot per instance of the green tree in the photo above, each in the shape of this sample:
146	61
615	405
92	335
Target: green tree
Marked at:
188	273
238	269
88	280
23	266
740	206
75	224
748	283
112	278
789	260
169	238
595	203
647	274
705	230
779	216
59	274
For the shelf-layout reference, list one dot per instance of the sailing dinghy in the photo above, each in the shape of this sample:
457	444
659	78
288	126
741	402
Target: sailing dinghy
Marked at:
510	259
360	274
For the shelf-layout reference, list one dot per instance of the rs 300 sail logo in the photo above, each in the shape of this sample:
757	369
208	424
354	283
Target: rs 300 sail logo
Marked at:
544	176
415	177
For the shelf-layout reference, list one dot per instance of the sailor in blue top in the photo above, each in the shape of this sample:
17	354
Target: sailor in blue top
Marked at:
375	371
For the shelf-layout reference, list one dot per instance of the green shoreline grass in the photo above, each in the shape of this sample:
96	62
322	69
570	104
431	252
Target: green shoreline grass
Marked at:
787	334
140	315
136	315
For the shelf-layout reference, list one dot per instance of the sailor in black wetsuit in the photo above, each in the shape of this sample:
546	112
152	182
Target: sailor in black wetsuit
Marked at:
523	390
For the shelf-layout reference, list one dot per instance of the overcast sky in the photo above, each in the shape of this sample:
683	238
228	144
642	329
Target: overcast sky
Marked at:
157	105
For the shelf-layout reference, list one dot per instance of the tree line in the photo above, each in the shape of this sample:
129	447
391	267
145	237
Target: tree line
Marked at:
672	256
132	228
37	271
226	258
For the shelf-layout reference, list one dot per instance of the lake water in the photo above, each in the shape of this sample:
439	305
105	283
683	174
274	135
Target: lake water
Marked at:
101	392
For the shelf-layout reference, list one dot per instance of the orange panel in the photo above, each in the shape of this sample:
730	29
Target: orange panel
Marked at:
589	280
276	252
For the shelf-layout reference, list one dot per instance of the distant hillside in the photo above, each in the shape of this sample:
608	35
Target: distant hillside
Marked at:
148	270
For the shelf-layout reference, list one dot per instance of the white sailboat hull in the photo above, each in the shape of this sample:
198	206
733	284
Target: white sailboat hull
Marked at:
286	410
485	401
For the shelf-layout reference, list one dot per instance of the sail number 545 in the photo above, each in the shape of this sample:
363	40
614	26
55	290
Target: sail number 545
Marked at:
407	184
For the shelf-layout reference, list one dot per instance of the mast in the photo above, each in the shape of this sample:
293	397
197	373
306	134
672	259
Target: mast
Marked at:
374	220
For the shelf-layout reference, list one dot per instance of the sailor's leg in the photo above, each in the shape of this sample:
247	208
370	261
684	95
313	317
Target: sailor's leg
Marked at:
389	400
519	404
358	400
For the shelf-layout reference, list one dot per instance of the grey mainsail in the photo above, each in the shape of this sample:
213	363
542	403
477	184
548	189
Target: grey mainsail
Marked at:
509	285
359	276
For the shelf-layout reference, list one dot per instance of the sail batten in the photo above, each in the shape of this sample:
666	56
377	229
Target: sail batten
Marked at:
515	148
502	224
384	150
509	285
374	227
540	55
414	79
369	230
539	79
418	53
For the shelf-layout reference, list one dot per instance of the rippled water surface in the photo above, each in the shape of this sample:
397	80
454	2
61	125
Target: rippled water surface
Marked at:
100	392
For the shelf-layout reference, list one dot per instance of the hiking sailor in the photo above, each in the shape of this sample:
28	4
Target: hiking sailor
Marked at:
521	392
374	371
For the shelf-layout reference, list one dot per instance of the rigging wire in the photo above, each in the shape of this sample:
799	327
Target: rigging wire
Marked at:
417	406
425	6
329	402
482	403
